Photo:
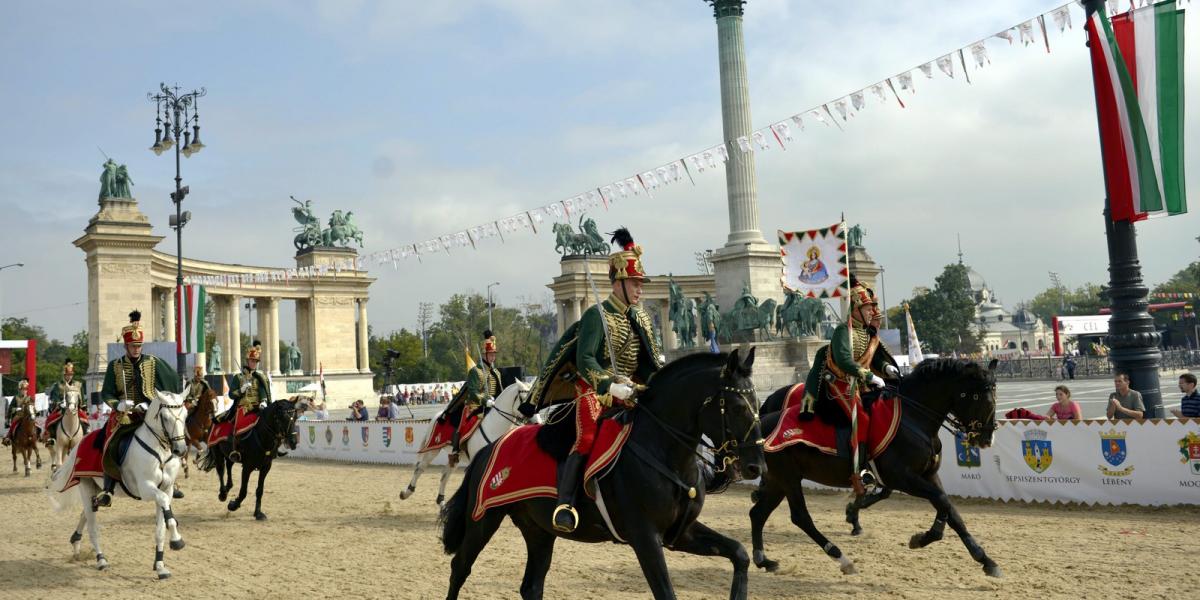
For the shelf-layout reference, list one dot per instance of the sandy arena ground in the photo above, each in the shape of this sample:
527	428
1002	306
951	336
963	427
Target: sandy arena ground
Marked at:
341	531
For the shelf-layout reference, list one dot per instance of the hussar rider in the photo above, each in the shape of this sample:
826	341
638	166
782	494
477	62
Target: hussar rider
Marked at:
196	388
251	391
581	367
16	409
478	393
58	400
850	361
129	387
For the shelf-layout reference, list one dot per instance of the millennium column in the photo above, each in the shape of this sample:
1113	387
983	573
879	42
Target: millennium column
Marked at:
746	258
1132	338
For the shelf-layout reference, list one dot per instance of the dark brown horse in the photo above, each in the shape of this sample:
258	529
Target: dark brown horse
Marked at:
24	439
199	424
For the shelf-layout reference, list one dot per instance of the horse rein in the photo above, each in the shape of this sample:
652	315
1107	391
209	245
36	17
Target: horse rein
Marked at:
970	431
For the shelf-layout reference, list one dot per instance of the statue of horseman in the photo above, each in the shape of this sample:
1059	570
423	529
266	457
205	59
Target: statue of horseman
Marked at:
599	361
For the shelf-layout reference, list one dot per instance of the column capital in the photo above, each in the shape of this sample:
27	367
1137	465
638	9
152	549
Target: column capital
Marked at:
727	8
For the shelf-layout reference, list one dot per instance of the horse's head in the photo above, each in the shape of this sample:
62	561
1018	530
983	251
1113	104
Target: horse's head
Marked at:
71	402
513	403
281	415
734	426
167	420
964	388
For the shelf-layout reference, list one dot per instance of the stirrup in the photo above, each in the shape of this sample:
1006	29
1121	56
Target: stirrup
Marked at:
235	456
102	500
565	508
868	478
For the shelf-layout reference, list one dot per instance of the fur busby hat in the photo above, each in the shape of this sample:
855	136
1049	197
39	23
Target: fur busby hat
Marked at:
132	333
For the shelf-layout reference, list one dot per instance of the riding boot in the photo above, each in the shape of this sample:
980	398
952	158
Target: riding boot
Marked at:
234	455
104	498
565	518
862	478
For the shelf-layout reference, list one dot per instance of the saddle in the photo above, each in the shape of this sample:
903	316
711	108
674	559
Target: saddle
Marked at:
519	469
221	429
876	428
441	431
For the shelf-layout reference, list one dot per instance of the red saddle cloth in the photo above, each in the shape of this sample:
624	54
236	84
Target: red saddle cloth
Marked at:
519	469
220	431
442	433
876	429
56	415
89	461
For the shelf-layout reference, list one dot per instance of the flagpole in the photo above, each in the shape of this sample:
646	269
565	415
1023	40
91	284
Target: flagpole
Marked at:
1131	332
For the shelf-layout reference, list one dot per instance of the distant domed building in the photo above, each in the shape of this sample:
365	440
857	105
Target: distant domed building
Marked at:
1001	329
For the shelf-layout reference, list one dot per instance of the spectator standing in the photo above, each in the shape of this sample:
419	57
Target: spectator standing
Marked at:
359	412
1189	405
384	413
1064	409
1069	366
1125	403
319	411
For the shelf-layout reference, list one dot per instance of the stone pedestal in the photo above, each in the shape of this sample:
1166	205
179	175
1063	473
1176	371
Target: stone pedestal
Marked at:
864	268
776	364
326	323
756	264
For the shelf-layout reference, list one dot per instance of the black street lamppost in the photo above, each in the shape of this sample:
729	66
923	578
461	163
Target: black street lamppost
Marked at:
176	112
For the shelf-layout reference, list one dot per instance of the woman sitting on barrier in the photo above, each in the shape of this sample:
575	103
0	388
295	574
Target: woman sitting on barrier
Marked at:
1065	409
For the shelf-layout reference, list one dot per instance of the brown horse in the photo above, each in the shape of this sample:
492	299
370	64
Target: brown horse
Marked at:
199	424
24	440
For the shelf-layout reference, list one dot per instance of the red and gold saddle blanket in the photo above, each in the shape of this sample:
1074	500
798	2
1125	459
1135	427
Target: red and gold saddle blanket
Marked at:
876	429
220	431
57	414
89	461
442	433
519	469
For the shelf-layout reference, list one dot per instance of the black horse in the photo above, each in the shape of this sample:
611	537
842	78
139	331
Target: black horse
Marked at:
655	490
934	390
258	448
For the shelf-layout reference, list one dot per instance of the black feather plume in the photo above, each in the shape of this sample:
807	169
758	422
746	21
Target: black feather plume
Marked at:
135	316
621	237
487	333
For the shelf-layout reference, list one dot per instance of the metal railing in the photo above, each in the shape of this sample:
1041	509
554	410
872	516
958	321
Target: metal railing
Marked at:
1051	367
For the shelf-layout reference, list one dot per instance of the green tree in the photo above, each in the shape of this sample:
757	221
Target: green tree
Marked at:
1186	280
943	315
1087	299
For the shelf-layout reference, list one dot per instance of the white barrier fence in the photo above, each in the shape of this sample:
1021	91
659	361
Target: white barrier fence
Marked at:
388	442
1099	462
1148	463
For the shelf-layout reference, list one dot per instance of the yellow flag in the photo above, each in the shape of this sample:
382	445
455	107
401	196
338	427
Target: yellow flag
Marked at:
470	363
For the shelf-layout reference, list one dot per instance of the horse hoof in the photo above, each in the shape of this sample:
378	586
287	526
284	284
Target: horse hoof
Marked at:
769	566
102	565
260	516
440	499
847	568
177	494
404	495
856	530
915	541
232	506
993	571
178	544
222	496
164	575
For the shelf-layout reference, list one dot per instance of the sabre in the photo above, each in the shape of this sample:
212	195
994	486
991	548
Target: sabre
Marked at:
612	356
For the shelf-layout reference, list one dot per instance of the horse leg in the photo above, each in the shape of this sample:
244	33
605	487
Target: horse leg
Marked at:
702	540
930	488
426	458
803	520
477	536
87	489
766	500
441	497
262	476
861	503
237	502
539	551
647	545
163	500
160	533
935	533
77	536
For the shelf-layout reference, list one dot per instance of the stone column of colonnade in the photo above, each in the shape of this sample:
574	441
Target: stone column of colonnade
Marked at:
273	319
364	364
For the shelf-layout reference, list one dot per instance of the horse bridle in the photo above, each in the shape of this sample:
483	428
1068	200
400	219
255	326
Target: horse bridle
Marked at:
513	419
971	430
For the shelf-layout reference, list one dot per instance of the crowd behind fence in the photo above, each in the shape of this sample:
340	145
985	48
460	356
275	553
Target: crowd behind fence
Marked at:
1054	367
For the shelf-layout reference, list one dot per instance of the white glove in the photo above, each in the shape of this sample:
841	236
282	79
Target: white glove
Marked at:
123	406
490	402
620	391
877	381
245	388
262	404
891	370
144	406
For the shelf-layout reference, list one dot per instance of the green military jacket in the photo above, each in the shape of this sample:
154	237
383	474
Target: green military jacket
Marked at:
482	382
583	351
136	380
260	391
849	354
58	393
14	406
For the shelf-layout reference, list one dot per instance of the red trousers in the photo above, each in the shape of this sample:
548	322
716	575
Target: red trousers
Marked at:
587	410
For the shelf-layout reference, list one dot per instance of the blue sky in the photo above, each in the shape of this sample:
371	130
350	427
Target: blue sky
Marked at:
427	118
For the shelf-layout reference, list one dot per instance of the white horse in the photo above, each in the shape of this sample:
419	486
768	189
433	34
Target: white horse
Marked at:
497	421
70	431
151	466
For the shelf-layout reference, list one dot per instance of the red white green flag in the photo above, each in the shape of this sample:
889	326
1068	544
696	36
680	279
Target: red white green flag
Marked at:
189	318
1137	69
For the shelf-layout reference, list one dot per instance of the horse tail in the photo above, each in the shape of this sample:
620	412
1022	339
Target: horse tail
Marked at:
208	460
453	516
57	485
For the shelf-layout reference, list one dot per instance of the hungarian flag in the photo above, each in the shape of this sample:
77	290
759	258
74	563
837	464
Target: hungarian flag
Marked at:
189	318
1137	70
